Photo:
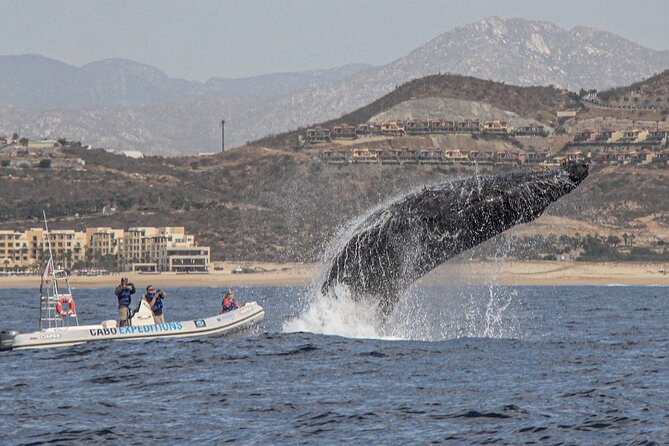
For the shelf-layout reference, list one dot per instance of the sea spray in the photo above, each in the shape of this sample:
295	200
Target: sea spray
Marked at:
392	247
341	316
452	309
426	313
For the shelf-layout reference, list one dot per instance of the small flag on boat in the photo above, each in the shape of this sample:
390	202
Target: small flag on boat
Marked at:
48	269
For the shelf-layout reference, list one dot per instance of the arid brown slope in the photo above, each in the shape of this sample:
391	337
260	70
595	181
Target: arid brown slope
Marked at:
539	103
649	93
267	204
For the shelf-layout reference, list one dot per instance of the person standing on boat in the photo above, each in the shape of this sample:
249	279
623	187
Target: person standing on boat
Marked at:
229	302
155	300
124	294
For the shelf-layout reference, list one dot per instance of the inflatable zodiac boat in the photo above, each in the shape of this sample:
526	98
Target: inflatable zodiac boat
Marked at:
59	323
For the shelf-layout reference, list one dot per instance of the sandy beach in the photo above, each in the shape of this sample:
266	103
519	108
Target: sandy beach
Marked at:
555	273
268	274
297	274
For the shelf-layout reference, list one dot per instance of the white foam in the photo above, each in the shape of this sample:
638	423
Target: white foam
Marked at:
432	314
339	316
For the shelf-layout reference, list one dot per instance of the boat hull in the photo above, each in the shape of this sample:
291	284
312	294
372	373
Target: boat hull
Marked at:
226	324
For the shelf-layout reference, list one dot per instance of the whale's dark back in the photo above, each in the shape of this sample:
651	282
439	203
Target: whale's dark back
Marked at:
398	244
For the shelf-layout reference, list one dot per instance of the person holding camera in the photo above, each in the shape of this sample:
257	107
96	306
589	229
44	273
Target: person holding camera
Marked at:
124	294
155	300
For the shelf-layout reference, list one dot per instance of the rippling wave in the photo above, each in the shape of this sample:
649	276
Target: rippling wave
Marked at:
568	365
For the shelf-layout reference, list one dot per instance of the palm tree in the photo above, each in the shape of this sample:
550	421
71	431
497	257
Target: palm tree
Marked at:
613	240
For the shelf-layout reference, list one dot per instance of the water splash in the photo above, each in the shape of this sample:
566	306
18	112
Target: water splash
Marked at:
398	243
369	272
425	313
341	316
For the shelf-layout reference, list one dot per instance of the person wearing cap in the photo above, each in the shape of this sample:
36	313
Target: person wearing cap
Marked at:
124	294
155	301
229	302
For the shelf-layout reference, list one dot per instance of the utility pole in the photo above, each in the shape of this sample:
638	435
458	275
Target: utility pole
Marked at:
223	135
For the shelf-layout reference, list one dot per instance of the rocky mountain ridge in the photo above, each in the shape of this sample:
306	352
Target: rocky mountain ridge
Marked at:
36	82
516	51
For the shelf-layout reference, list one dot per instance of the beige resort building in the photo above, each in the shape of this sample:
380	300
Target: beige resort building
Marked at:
135	249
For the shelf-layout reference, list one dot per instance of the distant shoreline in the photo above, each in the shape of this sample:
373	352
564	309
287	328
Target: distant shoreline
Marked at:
538	273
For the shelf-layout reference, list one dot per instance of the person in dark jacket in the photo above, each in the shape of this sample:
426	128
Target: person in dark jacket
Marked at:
155	300
124	294
229	302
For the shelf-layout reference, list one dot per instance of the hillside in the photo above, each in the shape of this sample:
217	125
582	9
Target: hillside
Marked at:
159	115
273	205
271	201
32	81
537	103
650	93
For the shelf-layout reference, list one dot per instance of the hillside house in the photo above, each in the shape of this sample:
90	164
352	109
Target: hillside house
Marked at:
134	154
658	136
392	128
318	134
633	136
481	157
615	156
585	135
534	157
334	157
531	130
644	157
408	155
44	144
343	131
469	126
565	114
365	155
367	129
661	158
417	126
455	156
431	156
608	136
574	155
390	156
507	157
443	126
495	127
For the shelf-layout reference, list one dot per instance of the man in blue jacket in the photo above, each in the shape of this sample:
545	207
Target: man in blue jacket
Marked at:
123	293
155	300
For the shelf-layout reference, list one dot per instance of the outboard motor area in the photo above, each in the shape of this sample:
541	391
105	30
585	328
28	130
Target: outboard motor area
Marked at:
7	339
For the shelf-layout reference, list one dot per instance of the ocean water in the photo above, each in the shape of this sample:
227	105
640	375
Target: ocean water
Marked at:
486	365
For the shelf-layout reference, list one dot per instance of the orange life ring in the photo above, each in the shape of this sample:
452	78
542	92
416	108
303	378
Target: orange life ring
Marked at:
72	307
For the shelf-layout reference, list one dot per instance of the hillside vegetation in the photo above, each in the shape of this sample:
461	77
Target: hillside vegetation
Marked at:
649	93
268	201
537	103
262	204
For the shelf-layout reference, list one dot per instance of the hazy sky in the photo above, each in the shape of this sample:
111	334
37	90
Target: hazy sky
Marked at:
202	39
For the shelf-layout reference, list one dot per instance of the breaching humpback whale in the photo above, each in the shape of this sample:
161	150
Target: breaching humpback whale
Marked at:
396	245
